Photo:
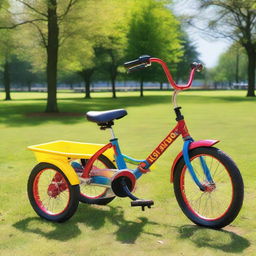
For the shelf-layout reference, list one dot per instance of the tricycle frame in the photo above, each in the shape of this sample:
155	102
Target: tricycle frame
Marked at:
144	165
120	181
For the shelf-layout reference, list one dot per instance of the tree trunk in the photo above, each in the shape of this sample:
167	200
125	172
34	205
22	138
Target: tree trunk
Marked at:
87	89
29	85
141	86
251	54
52	56
7	82
161	86
113	72
113	83
237	67
113	80
87	76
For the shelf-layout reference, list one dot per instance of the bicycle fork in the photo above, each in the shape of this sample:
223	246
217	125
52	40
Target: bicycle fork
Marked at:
192	172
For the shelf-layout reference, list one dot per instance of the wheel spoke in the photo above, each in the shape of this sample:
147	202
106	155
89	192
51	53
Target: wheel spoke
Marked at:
212	203
56	202
92	191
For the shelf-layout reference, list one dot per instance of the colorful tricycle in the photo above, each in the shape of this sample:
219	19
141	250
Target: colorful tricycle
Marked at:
207	184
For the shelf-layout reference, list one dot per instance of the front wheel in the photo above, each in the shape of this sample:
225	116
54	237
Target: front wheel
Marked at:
51	194
220	202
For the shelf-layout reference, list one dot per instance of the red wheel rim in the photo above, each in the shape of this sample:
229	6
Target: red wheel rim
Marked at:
51	205
210	205
94	192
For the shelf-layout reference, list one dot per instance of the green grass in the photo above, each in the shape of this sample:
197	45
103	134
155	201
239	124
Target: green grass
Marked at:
118	229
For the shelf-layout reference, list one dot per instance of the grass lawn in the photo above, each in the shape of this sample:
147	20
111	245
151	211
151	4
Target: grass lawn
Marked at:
118	229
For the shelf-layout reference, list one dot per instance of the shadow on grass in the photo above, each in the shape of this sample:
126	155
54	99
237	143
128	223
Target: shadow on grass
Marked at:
24	112
50	230
94	217
222	240
20	112
126	231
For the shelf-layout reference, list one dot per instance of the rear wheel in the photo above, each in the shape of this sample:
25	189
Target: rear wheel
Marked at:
50	193
91	194
221	201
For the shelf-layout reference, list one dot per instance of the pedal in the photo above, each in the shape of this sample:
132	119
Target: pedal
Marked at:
142	203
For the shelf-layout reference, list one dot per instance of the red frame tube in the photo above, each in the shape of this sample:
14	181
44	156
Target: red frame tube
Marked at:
179	129
169	76
88	166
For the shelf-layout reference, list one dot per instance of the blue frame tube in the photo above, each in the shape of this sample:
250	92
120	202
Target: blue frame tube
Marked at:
137	173
120	159
191	169
189	165
131	160
206	170
118	155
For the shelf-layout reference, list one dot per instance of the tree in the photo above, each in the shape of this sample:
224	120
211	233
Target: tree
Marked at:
77	55
154	31
115	41
7	48
5	58
236	20
22	75
190	54
180	69
231	66
113	50
102	40
46	17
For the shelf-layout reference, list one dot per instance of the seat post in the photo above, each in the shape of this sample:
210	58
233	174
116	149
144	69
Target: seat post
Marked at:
112	133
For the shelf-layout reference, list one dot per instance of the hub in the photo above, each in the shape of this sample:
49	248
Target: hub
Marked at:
209	187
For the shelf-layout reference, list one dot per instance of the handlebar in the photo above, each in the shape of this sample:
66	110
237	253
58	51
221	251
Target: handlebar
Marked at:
145	61
142	62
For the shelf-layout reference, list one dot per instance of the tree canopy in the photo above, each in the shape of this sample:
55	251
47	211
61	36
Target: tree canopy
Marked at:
236	20
154	31
232	66
89	38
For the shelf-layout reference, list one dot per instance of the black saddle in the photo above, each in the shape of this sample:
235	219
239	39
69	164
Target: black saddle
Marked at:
104	117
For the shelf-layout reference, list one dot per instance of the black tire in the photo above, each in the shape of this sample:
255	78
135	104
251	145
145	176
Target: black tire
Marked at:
98	197
223	201
51	194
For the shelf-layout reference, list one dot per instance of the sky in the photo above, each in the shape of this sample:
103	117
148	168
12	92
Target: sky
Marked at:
209	49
